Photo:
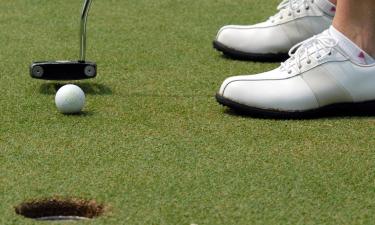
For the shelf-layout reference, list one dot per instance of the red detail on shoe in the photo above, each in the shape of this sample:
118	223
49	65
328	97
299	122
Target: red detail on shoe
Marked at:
333	9
362	55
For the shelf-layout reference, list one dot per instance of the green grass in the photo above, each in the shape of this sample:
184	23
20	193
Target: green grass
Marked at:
153	143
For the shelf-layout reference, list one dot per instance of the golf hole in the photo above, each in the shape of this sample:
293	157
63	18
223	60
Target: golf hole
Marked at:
60	209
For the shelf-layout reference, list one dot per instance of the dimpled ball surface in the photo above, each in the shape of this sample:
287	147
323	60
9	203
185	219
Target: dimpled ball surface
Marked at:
70	99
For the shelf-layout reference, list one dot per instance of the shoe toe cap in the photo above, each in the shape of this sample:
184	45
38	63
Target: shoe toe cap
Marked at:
235	37
256	39
283	94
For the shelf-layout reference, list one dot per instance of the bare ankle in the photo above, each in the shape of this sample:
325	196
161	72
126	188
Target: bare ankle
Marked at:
361	37
356	20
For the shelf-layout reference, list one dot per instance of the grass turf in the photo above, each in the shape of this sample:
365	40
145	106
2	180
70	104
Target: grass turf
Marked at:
153	143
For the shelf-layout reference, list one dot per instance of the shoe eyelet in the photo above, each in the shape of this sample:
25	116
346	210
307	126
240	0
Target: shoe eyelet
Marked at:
298	11
330	53
281	17
307	8
289	14
308	61
289	72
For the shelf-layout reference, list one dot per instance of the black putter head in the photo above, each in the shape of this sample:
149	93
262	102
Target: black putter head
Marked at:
68	70
63	70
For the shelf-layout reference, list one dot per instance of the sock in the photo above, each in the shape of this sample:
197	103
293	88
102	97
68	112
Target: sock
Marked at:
326	6
355	53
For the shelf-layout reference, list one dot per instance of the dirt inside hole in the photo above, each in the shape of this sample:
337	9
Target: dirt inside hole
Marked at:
59	207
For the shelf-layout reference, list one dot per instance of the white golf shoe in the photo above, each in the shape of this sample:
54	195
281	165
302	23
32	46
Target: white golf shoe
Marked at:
296	21
319	77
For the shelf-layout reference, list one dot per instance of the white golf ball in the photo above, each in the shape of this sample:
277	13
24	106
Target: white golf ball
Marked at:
70	99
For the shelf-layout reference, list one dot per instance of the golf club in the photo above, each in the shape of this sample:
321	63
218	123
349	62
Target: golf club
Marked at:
68	70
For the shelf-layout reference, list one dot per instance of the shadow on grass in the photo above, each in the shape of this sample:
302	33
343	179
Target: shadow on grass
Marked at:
255	60
152	95
80	114
327	114
88	88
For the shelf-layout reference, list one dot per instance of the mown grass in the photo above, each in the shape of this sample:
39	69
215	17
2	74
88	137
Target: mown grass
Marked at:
152	142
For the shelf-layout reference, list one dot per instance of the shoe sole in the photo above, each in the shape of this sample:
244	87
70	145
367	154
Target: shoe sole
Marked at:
340	109
235	54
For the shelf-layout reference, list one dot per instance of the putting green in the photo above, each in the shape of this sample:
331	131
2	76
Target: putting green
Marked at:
152	144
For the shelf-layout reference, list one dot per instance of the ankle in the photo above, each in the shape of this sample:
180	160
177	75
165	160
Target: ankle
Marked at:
362	37
356	20
333	1
352	49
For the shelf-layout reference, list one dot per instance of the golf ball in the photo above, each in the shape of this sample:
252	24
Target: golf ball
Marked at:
70	99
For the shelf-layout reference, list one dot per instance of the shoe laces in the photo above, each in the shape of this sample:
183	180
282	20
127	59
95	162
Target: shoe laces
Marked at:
290	8
317	47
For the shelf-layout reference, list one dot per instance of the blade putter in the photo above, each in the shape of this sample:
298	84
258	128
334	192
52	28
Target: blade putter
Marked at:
68	70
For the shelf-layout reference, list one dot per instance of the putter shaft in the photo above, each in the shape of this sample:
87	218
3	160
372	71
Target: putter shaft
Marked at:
84	15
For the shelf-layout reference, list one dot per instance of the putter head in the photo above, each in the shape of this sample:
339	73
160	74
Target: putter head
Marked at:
63	70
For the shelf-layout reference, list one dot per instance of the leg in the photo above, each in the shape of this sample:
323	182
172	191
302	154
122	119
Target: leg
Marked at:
356	20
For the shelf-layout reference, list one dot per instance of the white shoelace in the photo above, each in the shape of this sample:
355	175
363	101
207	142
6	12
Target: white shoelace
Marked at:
318	47
290	7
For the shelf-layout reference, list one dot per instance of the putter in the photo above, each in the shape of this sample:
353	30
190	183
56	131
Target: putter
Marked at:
68	70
